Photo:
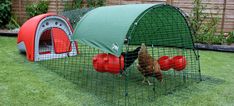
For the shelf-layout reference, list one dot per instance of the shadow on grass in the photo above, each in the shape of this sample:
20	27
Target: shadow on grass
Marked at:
211	80
180	96
9	35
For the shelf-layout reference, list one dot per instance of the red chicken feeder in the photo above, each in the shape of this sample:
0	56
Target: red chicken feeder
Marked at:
98	62
179	63
108	63
165	63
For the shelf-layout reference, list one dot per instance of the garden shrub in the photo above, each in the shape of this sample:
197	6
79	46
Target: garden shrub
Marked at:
230	38
13	23
37	8
96	3
207	32
197	17
5	12
74	5
205	29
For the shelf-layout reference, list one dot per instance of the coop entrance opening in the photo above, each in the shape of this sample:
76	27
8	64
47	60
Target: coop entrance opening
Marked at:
45	43
54	41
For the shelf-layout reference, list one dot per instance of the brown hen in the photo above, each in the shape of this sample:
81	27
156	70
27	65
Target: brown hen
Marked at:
147	65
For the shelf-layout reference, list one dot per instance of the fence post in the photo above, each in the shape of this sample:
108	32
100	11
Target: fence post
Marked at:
20	12
223	15
170	2
56	6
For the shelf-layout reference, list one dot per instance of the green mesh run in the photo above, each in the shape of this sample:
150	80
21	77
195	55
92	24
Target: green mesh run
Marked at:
161	26
163	29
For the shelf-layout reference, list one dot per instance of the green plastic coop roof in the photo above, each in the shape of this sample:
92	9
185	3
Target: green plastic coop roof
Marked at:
107	27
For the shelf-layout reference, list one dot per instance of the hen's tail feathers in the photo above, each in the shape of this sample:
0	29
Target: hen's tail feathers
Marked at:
130	57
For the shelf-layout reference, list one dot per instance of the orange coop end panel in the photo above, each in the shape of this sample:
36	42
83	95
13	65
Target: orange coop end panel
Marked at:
46	36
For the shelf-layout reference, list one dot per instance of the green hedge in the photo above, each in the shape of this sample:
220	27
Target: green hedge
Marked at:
37	8
5	12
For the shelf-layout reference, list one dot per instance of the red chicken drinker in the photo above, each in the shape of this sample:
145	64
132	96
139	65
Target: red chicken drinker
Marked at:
179	63
165	63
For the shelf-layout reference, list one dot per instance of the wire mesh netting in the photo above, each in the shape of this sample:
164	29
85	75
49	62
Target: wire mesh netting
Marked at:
164	31
75	15
117	88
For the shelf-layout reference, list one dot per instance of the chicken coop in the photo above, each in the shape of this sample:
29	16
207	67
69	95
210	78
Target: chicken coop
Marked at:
130	54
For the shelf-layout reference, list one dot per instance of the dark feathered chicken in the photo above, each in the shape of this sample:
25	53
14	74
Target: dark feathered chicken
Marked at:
147	65
130	57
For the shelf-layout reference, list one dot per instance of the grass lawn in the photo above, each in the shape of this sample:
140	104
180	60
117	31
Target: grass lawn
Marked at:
25	83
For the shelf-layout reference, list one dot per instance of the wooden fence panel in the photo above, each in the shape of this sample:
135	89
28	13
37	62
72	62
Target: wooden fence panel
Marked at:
216	7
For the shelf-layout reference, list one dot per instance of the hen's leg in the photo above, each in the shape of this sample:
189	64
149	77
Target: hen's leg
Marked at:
144	80
149	81
141	70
